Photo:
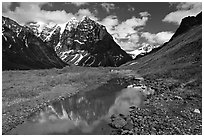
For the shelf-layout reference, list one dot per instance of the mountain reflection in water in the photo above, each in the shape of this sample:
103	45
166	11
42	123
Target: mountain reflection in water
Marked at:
83	112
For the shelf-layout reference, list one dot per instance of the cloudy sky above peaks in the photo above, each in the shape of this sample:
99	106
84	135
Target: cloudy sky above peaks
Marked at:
131	24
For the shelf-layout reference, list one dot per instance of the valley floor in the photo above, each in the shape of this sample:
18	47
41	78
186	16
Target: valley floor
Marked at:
24	92
174	108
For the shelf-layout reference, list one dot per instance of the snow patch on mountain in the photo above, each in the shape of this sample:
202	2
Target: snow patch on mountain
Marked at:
81	56
62	26
146	48
51	33
79	41
4	36
72	23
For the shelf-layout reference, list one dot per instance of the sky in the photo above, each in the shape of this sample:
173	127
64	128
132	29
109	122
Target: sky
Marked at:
132	24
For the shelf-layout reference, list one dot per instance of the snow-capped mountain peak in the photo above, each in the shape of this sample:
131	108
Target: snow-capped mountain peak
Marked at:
89	41
72	23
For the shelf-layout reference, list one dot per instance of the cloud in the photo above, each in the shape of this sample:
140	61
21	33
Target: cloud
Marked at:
131	9
134	38
128	46
126	32
184	9
31	11
187	5
129	26
78	4
158	38
110	22
108	6
6	6
144	14
85	12
50	4
129	43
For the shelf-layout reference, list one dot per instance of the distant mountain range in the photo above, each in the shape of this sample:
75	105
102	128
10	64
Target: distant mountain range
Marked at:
145	49
83	43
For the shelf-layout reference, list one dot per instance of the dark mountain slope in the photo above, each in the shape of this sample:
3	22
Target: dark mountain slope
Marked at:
187	23
183	53
21	49
175	72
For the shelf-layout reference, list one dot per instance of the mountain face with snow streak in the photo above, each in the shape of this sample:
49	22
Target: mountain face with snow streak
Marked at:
87	43
21	49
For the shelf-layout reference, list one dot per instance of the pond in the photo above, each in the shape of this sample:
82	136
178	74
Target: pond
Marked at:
86	112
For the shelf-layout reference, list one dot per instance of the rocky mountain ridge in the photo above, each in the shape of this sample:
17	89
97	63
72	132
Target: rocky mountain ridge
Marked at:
87	43
83	43
21	49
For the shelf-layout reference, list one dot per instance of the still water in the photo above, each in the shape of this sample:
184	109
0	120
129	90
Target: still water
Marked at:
86	112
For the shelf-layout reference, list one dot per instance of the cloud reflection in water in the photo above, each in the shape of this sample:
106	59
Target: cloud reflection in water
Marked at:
82	113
